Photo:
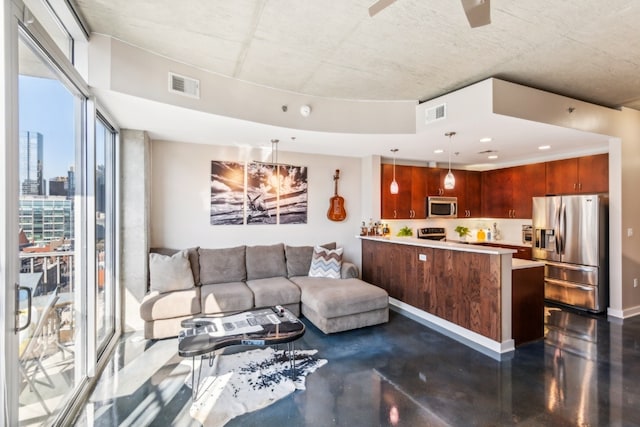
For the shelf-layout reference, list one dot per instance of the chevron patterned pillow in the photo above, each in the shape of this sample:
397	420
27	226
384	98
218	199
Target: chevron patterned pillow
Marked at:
326	263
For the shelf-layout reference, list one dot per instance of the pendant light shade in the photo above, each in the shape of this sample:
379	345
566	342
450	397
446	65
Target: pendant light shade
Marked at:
449	179
393	188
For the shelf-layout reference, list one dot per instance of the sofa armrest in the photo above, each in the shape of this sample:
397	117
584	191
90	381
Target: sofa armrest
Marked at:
348	271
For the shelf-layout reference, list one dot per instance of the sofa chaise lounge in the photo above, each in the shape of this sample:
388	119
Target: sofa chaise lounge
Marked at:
198	281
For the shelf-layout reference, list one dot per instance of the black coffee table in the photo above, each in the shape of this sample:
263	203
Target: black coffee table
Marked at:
202	336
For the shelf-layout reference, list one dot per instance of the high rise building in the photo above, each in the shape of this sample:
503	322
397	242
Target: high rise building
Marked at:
58	186
45	219
31	162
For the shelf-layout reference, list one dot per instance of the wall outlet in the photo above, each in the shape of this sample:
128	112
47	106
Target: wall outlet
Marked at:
635	282
629	232
422	257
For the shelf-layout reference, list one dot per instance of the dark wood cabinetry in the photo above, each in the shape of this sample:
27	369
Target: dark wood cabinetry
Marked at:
467	189
458	286
508	192
498	193
527	304
409	203
588	174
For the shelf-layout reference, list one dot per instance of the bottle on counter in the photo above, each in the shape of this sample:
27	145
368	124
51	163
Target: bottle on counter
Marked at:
481	235
489	234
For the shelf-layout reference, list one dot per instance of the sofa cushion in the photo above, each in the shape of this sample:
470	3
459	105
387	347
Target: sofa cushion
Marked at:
194	259
299	258
333	298
326	262
274	291
171	304
266	261
170	273
222	265
225	297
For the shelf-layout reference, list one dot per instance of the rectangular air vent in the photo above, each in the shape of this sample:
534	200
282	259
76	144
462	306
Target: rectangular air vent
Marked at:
438	112
184	85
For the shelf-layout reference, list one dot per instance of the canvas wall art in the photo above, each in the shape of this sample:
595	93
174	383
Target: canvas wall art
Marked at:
227	193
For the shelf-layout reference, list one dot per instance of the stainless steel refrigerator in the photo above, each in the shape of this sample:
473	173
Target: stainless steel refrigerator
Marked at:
571	237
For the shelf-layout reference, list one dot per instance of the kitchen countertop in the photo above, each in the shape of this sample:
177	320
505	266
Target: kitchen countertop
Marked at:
517	263
454	246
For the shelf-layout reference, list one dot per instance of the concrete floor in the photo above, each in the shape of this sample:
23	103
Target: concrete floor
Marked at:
585	372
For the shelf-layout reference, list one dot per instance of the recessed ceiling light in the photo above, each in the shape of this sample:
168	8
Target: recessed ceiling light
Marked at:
544	147
485	139
493	157
438	151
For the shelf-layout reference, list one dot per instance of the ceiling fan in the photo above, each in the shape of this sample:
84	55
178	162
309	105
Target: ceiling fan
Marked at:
478	11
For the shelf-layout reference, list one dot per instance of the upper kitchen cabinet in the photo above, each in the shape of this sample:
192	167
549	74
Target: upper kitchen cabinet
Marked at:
468	191
409	203
588	174
497	193
508	192
528	182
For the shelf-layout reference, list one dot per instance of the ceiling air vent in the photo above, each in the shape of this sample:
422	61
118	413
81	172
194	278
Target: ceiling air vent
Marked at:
438	112
184	85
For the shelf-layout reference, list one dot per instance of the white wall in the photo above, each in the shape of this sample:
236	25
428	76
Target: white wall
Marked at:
180	199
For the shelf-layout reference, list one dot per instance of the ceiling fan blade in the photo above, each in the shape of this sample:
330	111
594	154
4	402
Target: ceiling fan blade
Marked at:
379	5
478	12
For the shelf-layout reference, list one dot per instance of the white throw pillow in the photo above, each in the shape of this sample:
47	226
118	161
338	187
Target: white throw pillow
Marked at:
326	263
170	273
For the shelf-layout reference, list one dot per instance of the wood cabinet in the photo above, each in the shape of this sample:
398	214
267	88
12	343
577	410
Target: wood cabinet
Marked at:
588	174
527	304
458	286
508	192
409	203
467	189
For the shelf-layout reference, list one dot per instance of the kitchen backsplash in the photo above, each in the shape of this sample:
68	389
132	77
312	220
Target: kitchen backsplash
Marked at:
510	230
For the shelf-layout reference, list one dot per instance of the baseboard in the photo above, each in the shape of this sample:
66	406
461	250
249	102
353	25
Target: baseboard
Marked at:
496	350
624	313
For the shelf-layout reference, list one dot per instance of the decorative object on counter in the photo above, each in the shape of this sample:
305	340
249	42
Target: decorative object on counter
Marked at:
405	232
385	230
364	230
481	235
496	233
462	231
336	204
393	189
449	180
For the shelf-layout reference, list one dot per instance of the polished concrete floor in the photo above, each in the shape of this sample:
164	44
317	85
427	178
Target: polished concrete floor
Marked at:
586	372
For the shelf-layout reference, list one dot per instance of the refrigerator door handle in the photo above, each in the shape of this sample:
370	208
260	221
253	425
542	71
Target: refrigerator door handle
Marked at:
557	231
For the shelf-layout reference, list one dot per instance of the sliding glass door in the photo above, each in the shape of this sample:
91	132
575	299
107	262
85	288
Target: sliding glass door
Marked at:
49	206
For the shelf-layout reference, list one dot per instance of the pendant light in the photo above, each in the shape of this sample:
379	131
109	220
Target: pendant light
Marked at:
449	180
394	184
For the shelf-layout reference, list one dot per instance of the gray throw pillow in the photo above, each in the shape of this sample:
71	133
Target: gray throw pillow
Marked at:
222	265
326	263
170	273
266	261
299	258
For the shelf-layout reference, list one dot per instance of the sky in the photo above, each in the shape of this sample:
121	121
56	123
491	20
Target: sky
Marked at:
46	106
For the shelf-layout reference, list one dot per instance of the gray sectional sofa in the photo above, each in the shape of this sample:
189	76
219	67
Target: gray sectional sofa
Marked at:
240	278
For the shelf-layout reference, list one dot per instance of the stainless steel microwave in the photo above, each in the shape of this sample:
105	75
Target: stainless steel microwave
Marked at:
442	207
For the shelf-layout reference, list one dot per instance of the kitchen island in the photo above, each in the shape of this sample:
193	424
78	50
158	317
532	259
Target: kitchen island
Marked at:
462	290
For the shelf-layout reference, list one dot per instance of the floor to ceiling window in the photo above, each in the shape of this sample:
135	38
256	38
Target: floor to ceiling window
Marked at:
105	290
48	208
63	193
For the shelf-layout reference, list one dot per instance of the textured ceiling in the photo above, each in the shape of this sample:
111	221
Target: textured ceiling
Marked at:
413	50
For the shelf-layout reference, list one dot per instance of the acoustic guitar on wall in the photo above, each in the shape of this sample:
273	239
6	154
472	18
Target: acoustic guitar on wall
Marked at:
336	210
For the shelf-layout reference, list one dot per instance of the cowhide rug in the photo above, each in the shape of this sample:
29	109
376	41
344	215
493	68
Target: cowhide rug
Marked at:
243	382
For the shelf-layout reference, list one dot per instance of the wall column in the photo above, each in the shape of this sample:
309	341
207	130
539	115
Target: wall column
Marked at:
135	190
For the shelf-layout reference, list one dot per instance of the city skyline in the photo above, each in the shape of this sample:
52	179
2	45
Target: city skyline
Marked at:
47	107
